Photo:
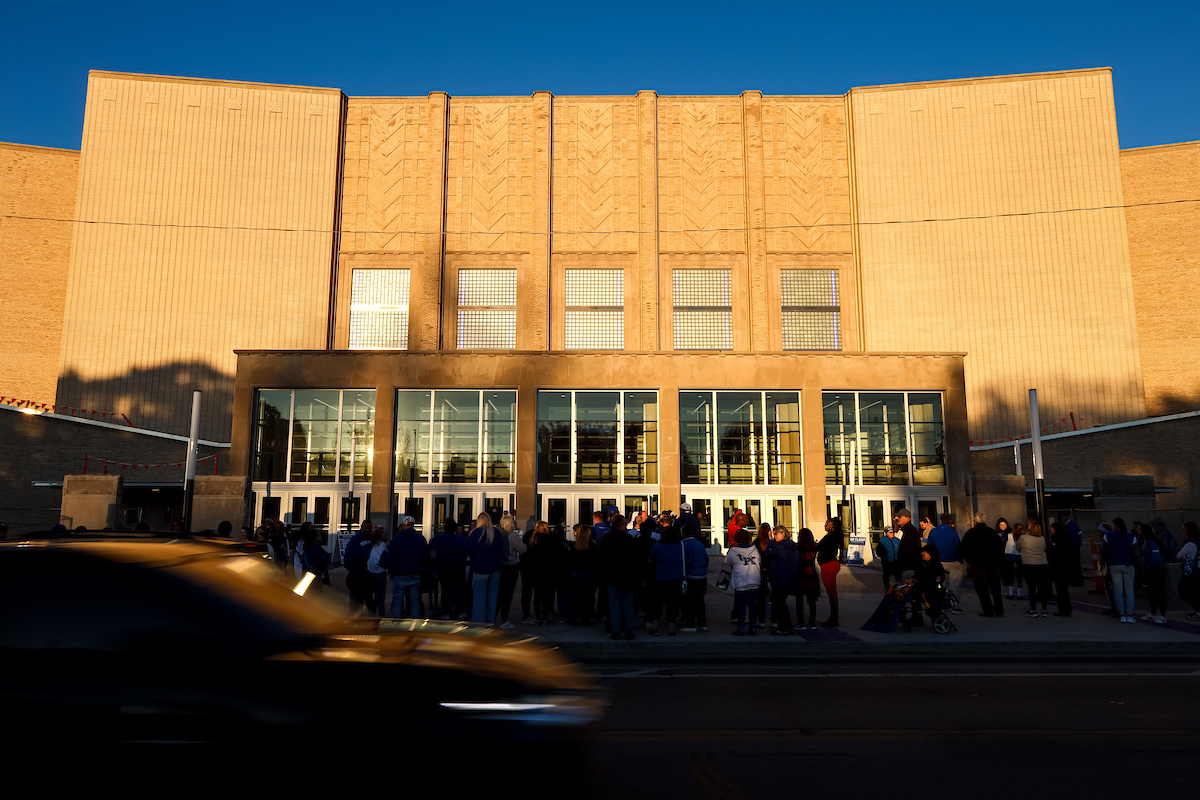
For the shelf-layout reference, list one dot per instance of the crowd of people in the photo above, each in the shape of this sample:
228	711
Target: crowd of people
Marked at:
1006	561
612	571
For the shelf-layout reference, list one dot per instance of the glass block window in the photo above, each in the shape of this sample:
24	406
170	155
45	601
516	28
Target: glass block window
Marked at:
703	309
379	309
594	314
811	309
487	309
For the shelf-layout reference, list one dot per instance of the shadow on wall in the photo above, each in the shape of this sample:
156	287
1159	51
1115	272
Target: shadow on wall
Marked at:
158	398
1004	411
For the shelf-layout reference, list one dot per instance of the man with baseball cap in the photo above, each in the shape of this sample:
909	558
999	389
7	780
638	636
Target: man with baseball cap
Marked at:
408	555
910	542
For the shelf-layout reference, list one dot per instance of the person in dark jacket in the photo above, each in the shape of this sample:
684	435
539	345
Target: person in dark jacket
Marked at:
354	559
930	575
621	569
830	551
783	560
1063	560
762	540
448	552
669	560
582	564
644	599
695	615
910	541
408	557
487	545
889	557
808	579
543	561
983	550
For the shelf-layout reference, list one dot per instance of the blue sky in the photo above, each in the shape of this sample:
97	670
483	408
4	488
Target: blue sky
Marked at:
612	47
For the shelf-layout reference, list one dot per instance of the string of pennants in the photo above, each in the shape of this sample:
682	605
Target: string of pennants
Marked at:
53	409
1072	418
87	457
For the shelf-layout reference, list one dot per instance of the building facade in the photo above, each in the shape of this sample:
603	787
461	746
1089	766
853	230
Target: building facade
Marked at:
743	300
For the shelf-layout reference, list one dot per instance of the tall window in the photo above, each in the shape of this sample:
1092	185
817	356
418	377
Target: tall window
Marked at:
379	309
811	310
597	437
594	300
884	438
739	438
455	436
487	309
703	313
314	435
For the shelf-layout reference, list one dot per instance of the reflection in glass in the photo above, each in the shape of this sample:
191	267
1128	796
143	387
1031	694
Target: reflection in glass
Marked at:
837	414
596	418
882	438
412	436
499	436
641	437
554	437
455	435
695	437
272	423
929	452
739	437
315	435
783	439
358	435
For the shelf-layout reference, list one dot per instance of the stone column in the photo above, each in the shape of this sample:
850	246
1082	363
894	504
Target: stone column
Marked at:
533	331
424	325
383	468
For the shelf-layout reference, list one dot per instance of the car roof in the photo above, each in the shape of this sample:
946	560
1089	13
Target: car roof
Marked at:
129	550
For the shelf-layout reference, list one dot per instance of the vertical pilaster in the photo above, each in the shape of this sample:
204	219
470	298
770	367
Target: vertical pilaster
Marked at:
383	469
426	296
647	257
533	331
812	426
526	456
756	235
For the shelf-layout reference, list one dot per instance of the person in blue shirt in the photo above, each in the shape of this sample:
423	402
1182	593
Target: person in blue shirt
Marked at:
889	557
668	559
408	556
695	615
945	538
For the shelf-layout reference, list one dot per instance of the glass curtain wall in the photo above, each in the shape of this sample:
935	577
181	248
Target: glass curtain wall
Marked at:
898	436
314	435
740	438
597	437
455	436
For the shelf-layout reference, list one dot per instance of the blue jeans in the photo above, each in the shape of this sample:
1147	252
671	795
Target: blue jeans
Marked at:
486	588
1122	578
406	595
620	609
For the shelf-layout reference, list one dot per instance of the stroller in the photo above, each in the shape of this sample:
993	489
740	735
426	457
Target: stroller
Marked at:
921	604
890	613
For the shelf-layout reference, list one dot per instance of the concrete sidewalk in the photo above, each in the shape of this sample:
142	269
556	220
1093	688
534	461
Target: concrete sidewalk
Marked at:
1086	634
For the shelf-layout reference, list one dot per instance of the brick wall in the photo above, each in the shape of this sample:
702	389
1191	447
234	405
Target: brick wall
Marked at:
1165	450
34	254
1164	250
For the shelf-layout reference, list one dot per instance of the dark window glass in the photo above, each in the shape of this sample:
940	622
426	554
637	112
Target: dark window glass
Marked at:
838	416
695	437
641	437
739	437
596	436
554	437
783	439
883	438
499	436
455	435
929	451
272	423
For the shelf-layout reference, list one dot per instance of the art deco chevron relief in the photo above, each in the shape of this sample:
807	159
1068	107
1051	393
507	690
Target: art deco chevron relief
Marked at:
699	172
594	174
805	175
394	198
489	175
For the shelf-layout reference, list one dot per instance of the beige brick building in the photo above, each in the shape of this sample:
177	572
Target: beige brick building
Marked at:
968	239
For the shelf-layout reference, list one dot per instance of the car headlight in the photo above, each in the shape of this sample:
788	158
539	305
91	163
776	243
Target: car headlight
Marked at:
558	710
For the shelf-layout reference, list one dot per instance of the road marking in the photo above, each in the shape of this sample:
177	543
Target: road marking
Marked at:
655	674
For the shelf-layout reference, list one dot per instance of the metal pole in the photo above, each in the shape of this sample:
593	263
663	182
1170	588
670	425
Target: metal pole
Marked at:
189	479
1017	455
1038	473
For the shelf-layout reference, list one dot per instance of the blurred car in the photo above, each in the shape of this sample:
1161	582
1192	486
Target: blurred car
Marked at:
124	639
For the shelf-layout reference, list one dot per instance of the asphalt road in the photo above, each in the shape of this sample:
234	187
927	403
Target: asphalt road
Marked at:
975	730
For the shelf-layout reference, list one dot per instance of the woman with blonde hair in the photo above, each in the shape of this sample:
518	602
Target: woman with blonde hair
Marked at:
1032	547
511	568
487	545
